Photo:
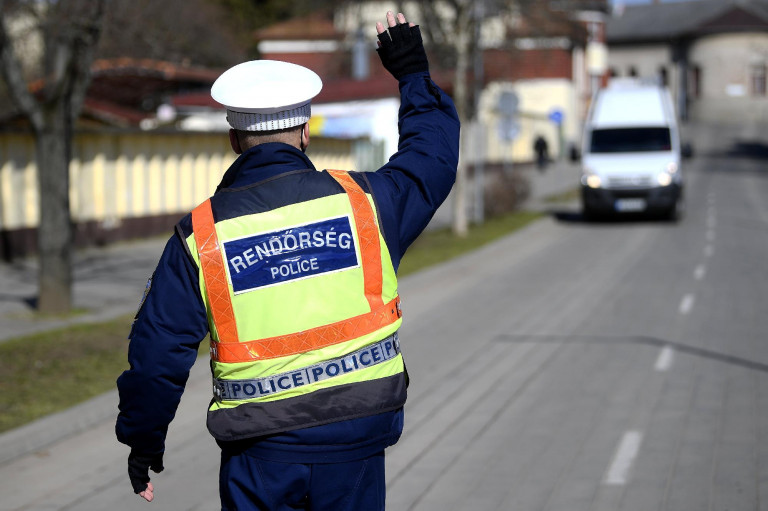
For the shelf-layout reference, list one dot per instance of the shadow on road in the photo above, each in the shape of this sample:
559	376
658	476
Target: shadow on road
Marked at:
577	217
754	150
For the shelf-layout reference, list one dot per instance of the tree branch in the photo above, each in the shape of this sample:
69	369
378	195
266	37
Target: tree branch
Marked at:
10	67
84	47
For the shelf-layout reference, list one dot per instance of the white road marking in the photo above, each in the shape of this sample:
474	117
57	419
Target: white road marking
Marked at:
710	235
709	250
664	361
699	272
686	304
618	471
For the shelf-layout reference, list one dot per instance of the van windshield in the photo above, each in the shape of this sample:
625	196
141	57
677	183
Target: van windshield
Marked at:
626	140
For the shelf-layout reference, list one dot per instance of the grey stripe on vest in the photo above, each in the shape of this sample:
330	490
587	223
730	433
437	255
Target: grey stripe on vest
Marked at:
369	356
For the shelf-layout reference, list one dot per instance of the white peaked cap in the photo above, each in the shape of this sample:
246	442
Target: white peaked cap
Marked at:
266	95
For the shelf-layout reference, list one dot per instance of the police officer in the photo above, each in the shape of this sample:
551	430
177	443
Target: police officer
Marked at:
292	272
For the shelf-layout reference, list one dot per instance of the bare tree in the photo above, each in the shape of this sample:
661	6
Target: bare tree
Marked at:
451	31
454	32
69	31
204	32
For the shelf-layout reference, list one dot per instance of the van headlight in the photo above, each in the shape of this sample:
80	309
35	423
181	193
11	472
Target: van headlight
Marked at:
590	179
666	177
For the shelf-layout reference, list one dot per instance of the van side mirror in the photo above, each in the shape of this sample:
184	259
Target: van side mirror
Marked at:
686	150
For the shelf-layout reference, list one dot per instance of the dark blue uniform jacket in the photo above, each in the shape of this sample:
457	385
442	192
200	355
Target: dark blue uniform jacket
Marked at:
172	321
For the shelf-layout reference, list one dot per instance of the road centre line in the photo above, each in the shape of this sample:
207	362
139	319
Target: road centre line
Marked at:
699	272
623	459
686	304
710	235
665	359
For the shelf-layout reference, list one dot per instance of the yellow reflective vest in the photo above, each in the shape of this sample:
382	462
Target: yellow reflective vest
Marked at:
302	305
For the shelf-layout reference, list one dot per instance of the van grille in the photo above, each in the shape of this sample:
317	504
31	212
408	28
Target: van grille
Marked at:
630	182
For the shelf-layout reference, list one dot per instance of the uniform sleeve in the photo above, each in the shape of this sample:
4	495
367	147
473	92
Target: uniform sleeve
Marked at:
164	340
418	177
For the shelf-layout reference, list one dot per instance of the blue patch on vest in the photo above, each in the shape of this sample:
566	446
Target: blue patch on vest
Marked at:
295	253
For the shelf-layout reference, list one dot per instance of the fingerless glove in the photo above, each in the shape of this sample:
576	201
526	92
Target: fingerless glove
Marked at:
402	50
138	469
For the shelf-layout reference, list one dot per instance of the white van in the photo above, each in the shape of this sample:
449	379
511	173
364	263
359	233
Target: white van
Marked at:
631	152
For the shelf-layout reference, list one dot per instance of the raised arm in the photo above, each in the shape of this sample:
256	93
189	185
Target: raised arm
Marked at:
418	177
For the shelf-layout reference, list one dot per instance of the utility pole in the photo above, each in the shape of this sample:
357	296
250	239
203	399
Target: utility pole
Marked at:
479	135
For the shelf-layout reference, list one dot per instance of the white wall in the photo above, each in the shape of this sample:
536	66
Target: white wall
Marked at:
537	99
725	61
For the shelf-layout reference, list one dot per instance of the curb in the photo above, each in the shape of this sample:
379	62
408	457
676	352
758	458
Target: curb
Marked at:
46	431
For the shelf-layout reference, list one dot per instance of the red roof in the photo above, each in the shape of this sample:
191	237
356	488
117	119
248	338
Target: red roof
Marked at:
315	26
112	113
354	90
147	67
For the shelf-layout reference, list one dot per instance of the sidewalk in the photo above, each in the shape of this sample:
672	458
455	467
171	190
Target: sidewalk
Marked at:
558	178
108	282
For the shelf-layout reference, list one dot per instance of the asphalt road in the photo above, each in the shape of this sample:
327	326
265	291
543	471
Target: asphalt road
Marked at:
570	366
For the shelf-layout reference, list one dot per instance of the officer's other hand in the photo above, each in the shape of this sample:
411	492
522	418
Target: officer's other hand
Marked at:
138	472
401	48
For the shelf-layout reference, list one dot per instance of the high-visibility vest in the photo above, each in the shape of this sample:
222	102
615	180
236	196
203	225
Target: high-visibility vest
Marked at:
303	309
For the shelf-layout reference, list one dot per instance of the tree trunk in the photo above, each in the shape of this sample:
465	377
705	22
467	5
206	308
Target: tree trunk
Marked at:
460	221
54	237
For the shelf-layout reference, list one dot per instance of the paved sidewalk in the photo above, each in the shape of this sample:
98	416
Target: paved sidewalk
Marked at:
108	282
557	179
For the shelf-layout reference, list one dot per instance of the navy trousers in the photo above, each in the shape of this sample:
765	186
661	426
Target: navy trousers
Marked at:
248	483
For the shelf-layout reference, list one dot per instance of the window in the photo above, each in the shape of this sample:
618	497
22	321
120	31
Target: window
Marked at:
626	140
694	82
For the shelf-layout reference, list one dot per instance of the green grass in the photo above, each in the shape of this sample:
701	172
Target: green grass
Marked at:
49	372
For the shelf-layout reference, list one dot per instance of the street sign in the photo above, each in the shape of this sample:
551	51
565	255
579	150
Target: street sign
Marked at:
556	116
508	103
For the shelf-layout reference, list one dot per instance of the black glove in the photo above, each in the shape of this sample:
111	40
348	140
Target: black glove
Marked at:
402	50
138	469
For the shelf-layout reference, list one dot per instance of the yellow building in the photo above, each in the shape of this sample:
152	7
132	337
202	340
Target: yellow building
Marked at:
126	185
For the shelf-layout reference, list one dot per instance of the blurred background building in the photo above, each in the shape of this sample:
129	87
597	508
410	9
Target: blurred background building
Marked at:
711	53
150	143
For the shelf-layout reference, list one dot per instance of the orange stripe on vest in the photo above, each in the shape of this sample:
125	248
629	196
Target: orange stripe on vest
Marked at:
312	339
214	273
228	349
367	233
